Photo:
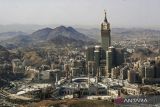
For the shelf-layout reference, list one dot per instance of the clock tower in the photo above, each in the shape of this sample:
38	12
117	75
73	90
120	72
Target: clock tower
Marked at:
105	34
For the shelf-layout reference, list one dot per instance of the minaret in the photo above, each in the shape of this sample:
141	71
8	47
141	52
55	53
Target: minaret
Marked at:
105	34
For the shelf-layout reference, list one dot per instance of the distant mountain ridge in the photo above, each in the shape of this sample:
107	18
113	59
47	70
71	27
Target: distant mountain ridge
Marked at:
121	33
60	35
49	34
7	35
68	35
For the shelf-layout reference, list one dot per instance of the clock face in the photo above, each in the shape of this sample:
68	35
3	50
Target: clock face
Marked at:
105	27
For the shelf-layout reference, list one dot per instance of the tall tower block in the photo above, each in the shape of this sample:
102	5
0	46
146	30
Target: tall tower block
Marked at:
105	34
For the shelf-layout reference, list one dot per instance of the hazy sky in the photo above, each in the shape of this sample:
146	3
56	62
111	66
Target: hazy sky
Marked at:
121	13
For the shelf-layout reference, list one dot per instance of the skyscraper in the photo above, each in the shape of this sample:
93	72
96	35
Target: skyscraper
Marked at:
105	34
105	56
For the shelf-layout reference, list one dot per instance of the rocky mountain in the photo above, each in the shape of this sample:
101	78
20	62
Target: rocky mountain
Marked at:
62	31
80	36
60	36
41	34
18	41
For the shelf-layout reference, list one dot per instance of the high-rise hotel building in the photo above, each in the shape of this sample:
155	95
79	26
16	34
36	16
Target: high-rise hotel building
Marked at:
105	56
105	34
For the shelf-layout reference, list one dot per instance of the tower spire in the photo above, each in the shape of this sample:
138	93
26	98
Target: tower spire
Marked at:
105	19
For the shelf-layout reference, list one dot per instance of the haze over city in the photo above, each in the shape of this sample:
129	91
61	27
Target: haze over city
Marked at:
121	13
79	53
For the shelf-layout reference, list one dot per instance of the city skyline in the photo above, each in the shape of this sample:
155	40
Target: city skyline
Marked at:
67	66
121	13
